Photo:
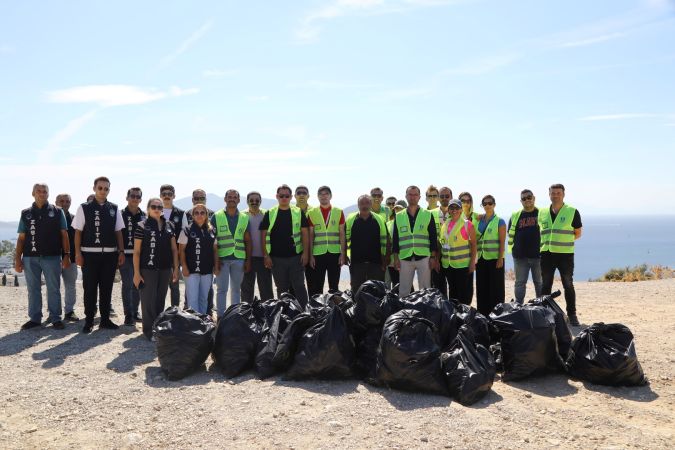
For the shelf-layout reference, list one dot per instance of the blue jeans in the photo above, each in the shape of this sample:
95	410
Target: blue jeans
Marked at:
230	269
130	295
69	278
197	288
522	268
50	267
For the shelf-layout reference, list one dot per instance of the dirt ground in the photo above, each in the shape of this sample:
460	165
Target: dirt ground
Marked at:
63	389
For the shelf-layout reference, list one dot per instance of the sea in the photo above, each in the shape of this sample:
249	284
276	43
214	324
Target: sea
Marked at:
607	242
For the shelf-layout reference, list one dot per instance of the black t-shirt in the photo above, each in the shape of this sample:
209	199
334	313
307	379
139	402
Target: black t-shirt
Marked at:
281	236
526	241
365	241
576	222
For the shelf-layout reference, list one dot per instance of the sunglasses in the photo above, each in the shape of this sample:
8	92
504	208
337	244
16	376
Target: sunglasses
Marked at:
284	196
156	207
199	213
432	195
466	200
301	193
167	194
198	198
391	203
527	197
253	202
376	195
454	207
445	196
103	188
135	196
488	203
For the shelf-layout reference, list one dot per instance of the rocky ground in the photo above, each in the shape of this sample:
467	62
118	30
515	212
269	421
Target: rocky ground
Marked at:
63	389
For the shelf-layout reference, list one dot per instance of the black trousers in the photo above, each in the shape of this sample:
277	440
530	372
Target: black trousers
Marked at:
98	275
489	285
289	272
394	275
316	277
438	281
564	262
175	291
469	286
359	273
457	285
263	275
153	296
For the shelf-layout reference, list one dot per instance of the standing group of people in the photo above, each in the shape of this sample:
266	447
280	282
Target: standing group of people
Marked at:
294	246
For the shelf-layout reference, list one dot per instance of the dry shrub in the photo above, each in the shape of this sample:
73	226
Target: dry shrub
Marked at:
642	272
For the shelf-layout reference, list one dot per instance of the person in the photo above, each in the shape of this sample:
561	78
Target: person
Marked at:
392	276
524	244
469	214
490	245
390	203
414	244
301	197
286	251
440	213
155	262
327	248
41	242
234	251
368	242
377	195
198	255
258	270
174	215
99	250
132	215
199	197
560	225
458	252
432	197
68	274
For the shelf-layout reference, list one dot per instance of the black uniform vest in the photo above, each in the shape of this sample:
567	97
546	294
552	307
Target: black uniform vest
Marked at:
176	219
199	249
43	230
99	224
156	248
188	215
130	223
71	233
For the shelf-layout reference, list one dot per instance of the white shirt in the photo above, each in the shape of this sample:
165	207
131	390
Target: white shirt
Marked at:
79	220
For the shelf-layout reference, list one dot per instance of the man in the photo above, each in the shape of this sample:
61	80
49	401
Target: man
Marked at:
199	197
432	194
131	215
43	238
328	251
99	250
175	215
234	250
391	203
258	270
69	274
458	252
560	225
415	243
286	250
301	197
391	276
524	244
376	195
368	243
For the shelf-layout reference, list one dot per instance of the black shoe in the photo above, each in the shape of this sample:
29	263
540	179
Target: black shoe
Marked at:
58	325
112	313
137	317
573	320
108	324
30	324
71	317
129	320
86	329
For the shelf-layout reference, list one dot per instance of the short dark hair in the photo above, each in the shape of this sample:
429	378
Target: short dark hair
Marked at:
167	187
232	190
488	196
465	194
302	186
101	179
134	189
285	187
198	190
375	189
557	186
526	191
390	198
445	187
248	196
412	187
324	188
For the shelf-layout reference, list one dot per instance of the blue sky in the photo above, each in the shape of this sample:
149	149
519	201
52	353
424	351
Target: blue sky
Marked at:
488	96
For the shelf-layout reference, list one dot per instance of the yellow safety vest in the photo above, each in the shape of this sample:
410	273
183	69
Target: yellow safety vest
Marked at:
227	242
326	238
488	242
296	218
383	231
455	250
413	241
558	236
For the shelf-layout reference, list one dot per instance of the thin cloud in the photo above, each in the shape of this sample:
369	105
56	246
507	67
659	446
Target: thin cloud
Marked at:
61	136
187	43
592	40
621	116
106	95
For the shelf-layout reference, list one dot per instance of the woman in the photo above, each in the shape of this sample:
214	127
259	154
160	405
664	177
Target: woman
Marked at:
155	262
198	258
467	212
392	275
491	235
458	252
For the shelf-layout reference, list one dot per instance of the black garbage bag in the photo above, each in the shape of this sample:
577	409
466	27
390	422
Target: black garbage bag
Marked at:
562	324
368	306
409	354
482	329
527	338
326	350
184	341
436	308
278	316
238	336
328	299
288	343
367	345
469	368
605	354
